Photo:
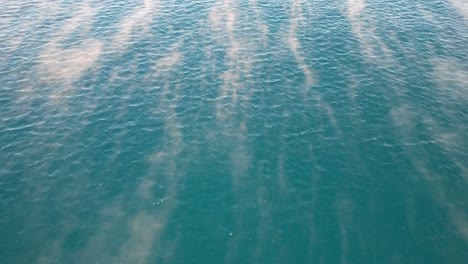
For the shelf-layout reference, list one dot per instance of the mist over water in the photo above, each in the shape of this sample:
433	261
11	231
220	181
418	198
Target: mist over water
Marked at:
223	131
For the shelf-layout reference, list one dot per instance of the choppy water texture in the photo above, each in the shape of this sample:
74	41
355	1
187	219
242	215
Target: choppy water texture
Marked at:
224	131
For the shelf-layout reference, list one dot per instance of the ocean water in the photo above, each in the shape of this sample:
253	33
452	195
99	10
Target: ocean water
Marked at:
224	131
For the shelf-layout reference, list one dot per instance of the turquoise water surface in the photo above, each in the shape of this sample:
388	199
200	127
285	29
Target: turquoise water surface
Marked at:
224	131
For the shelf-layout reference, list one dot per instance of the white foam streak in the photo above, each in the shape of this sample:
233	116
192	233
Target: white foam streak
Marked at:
260	26
169	61
451	79
355	8
140	19
371	45
144	230
164	65
405	118
461	6
222	18
69	64
65	65
294	44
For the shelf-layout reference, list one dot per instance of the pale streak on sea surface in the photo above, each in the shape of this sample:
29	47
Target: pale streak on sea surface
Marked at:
228	131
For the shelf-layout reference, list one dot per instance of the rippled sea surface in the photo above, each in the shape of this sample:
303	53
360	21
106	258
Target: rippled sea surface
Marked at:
224	131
